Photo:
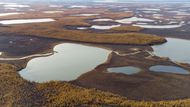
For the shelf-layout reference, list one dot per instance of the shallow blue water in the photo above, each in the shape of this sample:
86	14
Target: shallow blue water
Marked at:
169	69
129	70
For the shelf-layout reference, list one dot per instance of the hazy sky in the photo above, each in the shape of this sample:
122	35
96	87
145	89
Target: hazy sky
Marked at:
145	0
106	0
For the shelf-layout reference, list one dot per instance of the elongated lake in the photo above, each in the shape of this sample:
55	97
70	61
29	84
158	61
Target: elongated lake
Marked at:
69	62
169	69
129	70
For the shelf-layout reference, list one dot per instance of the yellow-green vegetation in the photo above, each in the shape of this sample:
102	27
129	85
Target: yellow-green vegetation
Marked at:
74	21
116	38
15	91
117	15
128	28
55	30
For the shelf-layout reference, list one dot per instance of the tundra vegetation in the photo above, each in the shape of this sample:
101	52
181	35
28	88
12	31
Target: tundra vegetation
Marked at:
56	29
127	28
15	91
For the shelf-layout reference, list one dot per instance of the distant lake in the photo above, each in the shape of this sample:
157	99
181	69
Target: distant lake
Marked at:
158	26
133	19
24	21
9	14
104	27
70	61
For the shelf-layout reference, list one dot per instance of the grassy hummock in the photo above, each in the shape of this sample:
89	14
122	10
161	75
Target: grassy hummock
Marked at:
127	28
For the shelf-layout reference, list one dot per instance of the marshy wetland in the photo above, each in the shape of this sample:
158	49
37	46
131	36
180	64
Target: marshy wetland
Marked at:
95	54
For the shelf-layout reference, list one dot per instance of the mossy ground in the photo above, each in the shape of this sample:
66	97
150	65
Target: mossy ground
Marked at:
15	91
